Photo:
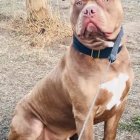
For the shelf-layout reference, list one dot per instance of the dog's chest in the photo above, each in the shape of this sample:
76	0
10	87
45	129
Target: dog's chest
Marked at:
110	92
115	87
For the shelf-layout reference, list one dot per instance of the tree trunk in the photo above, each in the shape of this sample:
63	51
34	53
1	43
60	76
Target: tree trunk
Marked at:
36	9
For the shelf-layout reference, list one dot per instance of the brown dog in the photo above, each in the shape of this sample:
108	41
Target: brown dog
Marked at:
57	106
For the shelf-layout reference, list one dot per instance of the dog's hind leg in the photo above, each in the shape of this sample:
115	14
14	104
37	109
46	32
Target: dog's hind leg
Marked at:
25	127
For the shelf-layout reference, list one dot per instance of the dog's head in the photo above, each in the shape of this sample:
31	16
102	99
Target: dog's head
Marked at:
95	22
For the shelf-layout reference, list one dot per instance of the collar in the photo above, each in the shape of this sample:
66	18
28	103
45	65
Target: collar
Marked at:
109	52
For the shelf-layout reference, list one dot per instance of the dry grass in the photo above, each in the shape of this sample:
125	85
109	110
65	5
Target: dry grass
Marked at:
38	33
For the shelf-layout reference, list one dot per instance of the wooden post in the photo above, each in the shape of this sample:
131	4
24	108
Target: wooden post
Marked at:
36	9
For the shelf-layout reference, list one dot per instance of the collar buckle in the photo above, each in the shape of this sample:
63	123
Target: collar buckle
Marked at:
92	53
98	53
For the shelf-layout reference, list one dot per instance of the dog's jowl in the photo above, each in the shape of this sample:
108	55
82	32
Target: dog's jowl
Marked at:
58	105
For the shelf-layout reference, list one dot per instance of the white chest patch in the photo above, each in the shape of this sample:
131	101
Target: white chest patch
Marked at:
116	87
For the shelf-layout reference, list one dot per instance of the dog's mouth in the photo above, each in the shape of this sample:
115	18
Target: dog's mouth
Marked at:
91	27
91	30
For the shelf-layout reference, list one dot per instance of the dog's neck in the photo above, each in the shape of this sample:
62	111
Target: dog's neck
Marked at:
96	43
109	52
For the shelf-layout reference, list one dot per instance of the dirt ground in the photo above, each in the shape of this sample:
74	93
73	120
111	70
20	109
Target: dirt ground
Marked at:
22	66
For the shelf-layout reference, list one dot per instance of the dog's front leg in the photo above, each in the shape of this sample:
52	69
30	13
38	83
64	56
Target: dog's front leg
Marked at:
80	113
110	128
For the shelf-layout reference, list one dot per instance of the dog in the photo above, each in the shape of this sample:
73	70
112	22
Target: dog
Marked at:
57	107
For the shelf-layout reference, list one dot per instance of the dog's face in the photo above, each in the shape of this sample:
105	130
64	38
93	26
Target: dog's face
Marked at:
100	19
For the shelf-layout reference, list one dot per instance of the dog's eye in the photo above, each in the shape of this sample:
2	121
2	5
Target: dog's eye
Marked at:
105	0
79	3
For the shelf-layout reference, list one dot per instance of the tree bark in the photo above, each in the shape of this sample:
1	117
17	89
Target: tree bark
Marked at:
36	9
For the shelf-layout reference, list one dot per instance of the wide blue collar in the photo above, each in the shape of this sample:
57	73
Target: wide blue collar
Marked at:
109	52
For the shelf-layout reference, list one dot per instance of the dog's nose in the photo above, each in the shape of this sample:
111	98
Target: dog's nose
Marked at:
89	10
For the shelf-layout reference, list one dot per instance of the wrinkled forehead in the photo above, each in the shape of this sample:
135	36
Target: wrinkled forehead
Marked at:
96	1
104	4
